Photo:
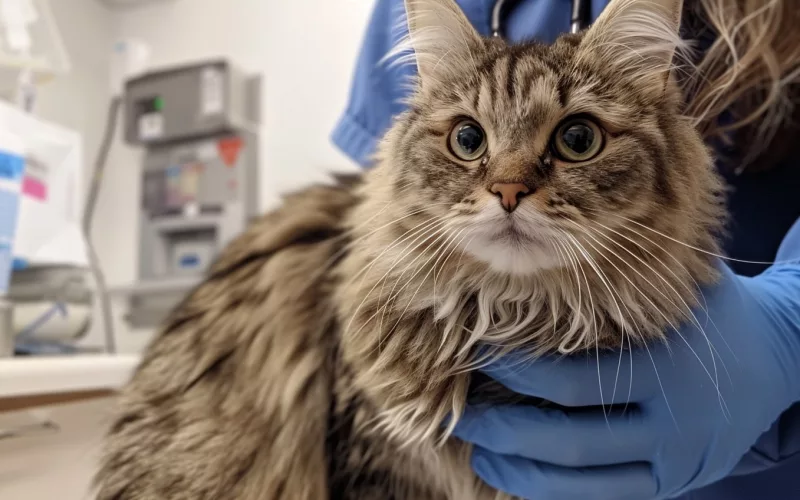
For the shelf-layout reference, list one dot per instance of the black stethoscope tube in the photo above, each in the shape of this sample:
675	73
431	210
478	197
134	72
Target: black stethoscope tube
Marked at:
579	15
581	12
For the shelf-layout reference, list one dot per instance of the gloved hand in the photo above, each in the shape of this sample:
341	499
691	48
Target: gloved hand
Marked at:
696	406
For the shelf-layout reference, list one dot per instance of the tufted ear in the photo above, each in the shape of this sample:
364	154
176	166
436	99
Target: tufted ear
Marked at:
441	37
638	38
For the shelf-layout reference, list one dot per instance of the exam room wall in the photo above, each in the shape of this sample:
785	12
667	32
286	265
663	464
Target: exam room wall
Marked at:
304	49
79	99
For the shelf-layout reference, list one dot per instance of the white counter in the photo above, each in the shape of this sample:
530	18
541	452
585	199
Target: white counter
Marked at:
33	376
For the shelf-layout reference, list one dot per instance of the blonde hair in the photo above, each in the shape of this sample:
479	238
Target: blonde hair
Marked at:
750	71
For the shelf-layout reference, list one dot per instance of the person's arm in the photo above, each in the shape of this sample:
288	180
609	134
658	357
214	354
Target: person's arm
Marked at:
782	441
695	406
377	90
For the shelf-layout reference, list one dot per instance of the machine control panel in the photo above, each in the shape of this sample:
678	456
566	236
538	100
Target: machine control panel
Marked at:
200	178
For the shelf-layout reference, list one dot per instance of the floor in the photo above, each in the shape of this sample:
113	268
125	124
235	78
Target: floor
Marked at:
49	465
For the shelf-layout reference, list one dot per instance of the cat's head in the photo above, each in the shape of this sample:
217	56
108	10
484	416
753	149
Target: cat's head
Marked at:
524	149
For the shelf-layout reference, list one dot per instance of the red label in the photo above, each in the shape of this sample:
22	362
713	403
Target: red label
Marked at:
229	150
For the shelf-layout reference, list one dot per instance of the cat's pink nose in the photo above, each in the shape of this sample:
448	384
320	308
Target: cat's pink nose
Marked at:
509	194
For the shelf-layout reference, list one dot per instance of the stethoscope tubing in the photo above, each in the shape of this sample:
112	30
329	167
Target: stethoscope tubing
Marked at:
579	15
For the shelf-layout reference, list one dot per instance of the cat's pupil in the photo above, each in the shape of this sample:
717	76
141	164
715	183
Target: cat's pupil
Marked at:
469	138
579	138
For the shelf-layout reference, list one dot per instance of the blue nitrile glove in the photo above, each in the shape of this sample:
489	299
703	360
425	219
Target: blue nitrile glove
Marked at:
688	423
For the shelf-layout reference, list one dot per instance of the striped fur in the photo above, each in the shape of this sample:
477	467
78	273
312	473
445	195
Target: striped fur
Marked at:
331	340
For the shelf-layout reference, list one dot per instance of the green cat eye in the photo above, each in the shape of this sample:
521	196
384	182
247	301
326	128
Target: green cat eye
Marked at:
578	139
467	140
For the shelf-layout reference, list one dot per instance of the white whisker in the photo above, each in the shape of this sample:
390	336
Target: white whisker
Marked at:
714	378
430	225
697	249
391	297
687	309
600	274
441	252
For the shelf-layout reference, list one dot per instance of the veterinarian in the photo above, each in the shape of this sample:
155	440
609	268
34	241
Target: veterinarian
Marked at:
718	419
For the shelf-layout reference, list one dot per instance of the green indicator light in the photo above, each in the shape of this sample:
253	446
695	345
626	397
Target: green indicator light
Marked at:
158	104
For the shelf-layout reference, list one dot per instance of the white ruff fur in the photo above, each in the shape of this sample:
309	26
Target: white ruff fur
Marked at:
513	312
483	303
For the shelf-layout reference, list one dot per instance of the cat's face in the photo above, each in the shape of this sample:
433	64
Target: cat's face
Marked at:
522	148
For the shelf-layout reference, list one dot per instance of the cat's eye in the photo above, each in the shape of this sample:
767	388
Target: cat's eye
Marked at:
578	139
467	140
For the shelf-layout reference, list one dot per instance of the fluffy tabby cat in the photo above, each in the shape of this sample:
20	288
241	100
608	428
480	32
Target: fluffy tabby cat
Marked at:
532	197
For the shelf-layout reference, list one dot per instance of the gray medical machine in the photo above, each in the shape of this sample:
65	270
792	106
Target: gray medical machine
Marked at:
199	177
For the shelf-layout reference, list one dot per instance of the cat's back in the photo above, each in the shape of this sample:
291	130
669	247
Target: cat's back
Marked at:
216	401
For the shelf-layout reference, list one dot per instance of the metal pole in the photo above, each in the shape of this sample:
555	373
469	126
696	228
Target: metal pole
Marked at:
88	214
6	328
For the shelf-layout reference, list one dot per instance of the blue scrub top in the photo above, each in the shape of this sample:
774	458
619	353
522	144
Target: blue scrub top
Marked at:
763	205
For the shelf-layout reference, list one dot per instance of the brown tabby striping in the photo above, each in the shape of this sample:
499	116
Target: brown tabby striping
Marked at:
543	198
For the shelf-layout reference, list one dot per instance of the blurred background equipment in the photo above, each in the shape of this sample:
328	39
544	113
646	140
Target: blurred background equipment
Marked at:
12	165
51	287
32	51
47	250
199	175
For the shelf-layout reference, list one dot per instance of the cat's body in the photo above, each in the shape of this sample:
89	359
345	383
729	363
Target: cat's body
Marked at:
333	339
265	407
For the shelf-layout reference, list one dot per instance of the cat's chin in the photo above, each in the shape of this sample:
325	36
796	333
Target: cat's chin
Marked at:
512	256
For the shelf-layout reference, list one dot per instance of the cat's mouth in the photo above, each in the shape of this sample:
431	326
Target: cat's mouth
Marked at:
513	234
518	243
512	231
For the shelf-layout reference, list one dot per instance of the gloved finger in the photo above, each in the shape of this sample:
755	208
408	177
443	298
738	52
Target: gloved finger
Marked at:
552	436
616	378
535	480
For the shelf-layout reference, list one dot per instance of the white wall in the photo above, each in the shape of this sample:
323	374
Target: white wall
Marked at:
79	99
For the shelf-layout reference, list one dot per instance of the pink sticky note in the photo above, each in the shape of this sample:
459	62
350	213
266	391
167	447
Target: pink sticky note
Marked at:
34	188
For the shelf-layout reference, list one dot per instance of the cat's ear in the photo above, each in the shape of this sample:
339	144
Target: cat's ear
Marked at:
441	37
638	38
